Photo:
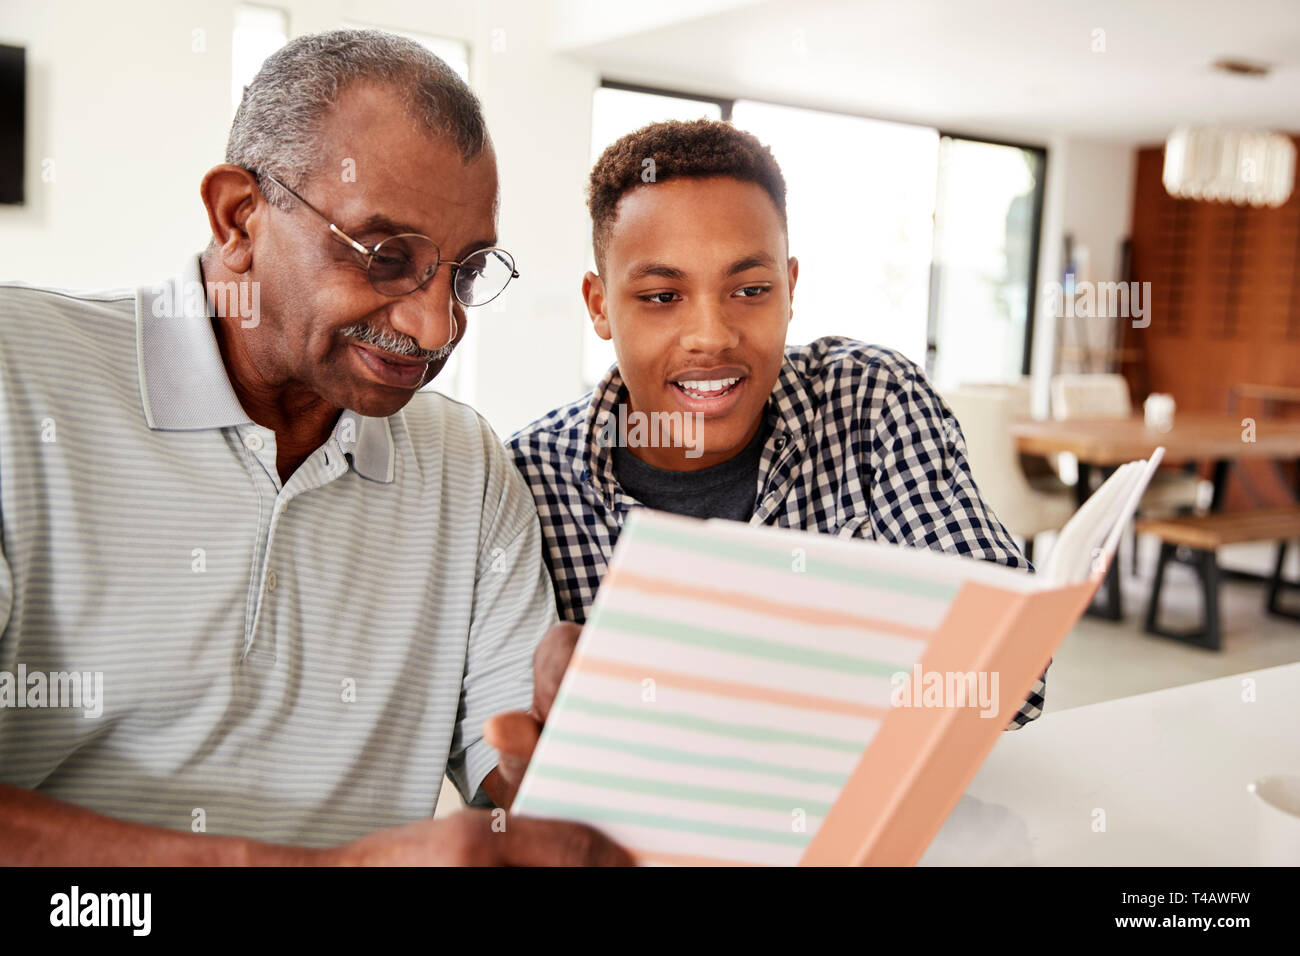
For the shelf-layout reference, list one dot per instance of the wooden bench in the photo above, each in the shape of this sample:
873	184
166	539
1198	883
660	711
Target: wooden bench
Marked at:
1202	536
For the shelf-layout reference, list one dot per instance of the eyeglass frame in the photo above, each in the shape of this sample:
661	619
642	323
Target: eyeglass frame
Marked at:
370	253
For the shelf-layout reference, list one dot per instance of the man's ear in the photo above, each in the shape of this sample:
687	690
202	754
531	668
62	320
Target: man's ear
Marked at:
232	199
593	293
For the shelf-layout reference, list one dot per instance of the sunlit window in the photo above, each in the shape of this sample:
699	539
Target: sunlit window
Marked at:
259	32
983	260
860	200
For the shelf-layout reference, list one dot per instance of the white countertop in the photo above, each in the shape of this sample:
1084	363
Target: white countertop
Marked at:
1169	769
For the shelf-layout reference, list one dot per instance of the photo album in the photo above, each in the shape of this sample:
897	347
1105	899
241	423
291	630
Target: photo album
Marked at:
755	695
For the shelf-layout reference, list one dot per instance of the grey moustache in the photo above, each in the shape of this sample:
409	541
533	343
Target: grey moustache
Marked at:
395	344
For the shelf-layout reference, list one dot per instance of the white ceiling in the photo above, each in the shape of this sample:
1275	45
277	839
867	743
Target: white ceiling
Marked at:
1022	69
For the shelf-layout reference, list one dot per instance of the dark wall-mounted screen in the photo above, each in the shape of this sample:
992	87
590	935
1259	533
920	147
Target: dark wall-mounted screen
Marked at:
13	121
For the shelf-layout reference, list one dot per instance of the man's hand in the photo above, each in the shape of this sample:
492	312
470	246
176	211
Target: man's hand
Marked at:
38	831
514	734
469	838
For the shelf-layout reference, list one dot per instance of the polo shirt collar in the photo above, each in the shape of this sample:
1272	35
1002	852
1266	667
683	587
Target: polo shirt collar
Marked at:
183	381
184	385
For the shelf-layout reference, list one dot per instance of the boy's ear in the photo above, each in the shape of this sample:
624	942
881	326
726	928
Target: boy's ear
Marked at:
793	273
593	293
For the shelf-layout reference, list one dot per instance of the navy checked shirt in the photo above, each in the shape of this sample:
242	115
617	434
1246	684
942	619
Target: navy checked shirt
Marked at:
861	446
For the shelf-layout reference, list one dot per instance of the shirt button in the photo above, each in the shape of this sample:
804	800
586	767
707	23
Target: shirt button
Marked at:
253	442
270	580
780	441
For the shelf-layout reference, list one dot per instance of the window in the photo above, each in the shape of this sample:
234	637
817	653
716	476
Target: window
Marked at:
259	32
985	256
860	201
619	109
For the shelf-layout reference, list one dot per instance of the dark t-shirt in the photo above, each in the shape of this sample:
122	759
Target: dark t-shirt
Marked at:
725	490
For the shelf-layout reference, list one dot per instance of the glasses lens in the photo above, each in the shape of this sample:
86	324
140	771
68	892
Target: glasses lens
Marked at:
483	275
401	264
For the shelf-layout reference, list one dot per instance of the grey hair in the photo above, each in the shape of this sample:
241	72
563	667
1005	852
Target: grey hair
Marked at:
277	125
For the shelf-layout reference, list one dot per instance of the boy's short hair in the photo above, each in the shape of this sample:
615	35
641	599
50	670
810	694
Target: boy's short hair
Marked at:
696	149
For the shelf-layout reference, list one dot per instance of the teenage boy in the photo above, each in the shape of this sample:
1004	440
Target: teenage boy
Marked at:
694	286
269	549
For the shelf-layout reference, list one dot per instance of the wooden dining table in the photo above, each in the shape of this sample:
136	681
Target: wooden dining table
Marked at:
1193	439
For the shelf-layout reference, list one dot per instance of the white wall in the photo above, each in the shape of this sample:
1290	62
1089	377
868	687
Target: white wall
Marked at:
1099	200
538	106
1049	270
1089	194
124	117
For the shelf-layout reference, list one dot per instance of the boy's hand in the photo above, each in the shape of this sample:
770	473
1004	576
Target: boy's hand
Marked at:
514	734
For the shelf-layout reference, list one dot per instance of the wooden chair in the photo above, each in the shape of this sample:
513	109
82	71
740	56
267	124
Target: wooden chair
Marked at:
1200	536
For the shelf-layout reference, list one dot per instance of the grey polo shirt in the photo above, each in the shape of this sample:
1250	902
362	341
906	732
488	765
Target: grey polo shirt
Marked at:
299	663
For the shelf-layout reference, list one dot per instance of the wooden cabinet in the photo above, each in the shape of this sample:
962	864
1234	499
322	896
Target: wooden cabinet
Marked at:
1225	289
1225	300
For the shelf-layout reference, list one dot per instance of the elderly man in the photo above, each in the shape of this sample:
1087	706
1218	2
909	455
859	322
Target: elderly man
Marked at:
257	595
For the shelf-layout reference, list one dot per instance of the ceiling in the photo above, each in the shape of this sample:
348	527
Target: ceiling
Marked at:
1017	69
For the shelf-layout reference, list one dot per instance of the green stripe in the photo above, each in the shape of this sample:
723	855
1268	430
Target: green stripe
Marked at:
581	811
673	755
758	554
603	616
683	791
650	714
